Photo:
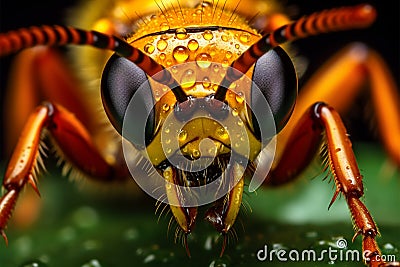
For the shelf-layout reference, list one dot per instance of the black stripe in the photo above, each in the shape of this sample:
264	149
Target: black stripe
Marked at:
324	22
23	38
314	24
278	35
68	33
303	26
140	58
122	48
82	36
33	37
57	35
35	40
264	45
252	51
45	36
100	40
290	29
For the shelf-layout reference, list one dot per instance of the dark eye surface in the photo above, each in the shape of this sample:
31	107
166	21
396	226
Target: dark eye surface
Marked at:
121	80
276	78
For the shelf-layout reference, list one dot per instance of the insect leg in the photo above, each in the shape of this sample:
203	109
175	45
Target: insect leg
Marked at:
37	75
70	136
306	138
340	80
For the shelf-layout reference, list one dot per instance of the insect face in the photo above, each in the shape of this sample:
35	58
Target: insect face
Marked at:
201	140
199	94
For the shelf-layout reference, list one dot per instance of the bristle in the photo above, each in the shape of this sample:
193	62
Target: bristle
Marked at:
329	169
170	223
3	234
224	243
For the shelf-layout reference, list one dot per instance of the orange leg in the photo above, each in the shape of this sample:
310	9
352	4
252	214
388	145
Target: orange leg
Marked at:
73	140
306	138
340	80
338	83
37	75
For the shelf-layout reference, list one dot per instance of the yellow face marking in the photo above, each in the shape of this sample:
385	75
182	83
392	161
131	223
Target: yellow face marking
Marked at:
235	198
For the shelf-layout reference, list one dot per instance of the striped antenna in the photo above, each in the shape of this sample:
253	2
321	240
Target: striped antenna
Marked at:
15	41
332	20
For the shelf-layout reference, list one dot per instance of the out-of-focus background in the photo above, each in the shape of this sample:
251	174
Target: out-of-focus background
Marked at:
77	228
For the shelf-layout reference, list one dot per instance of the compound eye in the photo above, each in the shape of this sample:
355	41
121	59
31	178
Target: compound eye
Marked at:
276	79
121	80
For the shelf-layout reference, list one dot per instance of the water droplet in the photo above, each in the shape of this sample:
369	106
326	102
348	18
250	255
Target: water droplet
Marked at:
237	46
188	79
181	33
311	234
239	98
244	38
224	261
193	45
208	243
35	263
199	11
149	258
164	26
388	246
216	68
203	60
67	234
165	107
131	234
208	35
149	48
196	154
174	69
180	53
228	54
92	263
225	37
206	82
85	217
162	56
235	112
162	44
182	135
222	133
91	245
167	174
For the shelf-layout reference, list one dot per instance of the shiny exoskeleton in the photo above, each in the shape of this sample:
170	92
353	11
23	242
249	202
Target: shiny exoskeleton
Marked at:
214	82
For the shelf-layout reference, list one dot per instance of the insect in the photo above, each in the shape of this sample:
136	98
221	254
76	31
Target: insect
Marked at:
200	93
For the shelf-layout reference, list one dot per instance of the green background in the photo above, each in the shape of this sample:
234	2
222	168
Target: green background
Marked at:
80	228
